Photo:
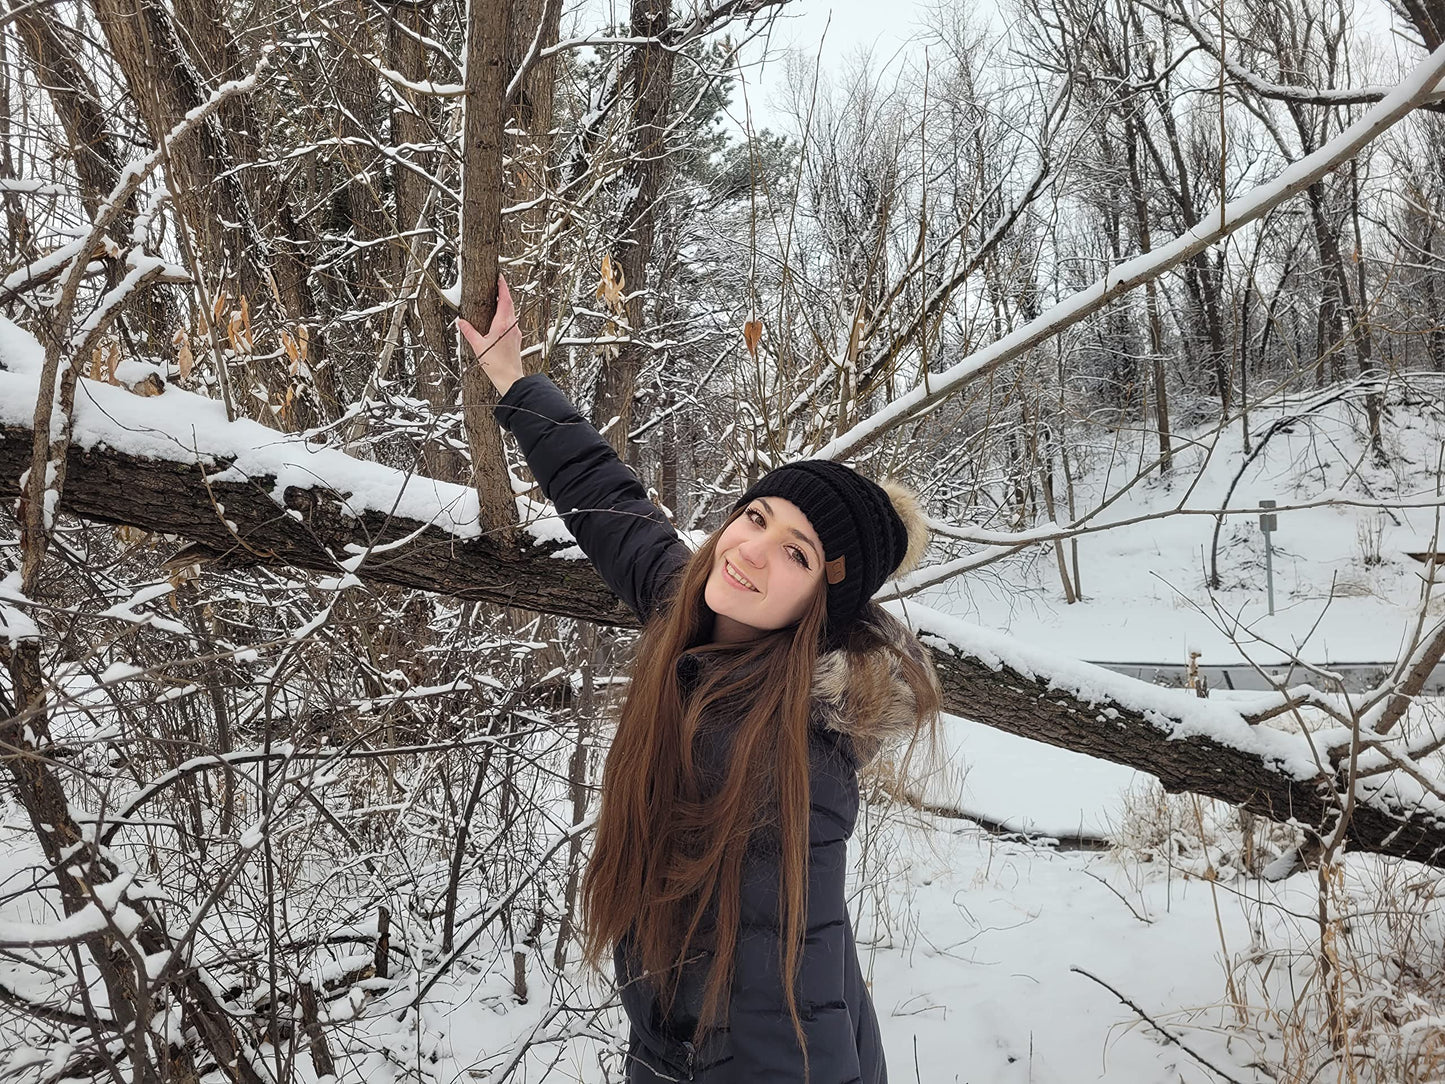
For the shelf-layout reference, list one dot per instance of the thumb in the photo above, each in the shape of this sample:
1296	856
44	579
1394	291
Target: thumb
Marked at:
472	335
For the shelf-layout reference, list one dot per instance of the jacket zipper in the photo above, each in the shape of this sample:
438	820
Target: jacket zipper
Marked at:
691	1057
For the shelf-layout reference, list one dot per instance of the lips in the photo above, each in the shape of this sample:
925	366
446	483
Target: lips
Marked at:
737	577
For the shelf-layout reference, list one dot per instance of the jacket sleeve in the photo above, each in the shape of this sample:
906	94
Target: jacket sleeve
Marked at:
626	536
763	1044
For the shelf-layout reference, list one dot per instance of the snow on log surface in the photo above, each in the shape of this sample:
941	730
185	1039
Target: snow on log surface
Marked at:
245	494
1203	746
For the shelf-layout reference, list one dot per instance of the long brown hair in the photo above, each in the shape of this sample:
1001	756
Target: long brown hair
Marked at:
670	844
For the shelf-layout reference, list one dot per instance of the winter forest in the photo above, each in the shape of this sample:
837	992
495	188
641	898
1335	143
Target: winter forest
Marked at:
306	688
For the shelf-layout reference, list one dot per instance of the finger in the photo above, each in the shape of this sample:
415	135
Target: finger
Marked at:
506	314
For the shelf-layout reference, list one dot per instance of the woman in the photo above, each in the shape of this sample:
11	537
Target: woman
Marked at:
764	679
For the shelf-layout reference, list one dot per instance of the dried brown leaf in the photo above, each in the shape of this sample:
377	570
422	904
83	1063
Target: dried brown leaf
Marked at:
752	335
611	284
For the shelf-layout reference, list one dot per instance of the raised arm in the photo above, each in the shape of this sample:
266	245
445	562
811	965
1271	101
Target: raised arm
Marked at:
627	538
625	535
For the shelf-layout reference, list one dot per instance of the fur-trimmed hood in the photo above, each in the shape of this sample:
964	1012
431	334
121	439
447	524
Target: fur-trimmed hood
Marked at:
861	689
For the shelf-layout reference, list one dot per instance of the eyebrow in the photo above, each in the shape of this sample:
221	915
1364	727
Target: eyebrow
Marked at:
793	530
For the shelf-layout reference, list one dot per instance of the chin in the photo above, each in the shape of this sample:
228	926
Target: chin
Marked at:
719	599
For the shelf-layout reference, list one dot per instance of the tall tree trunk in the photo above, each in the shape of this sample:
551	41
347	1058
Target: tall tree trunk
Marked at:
1203	281
20	234
20	238
649	86
355	176
1434	269
584	713
483	183
1334	304
1364	338
535	26
1435	337
414	123
1151	297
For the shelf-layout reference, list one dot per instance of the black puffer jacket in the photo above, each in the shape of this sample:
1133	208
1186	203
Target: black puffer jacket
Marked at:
860	700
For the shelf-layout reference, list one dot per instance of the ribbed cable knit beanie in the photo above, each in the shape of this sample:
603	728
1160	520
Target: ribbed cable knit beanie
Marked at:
869	531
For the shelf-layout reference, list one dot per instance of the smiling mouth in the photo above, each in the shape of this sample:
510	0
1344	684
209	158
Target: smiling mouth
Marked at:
737	576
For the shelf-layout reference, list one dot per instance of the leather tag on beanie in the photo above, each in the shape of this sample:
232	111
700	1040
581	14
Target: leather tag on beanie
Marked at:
835	569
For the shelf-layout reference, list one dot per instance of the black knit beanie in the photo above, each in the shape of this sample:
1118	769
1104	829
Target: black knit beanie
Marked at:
864	538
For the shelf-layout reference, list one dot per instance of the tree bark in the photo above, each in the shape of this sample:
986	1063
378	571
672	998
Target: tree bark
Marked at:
177	499
1028	707
482	185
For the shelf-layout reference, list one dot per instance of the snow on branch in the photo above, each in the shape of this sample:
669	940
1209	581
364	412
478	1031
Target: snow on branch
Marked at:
1283	92
1416	89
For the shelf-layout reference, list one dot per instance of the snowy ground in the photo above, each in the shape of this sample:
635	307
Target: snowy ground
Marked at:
1344	586
1030	787
971	946
972	967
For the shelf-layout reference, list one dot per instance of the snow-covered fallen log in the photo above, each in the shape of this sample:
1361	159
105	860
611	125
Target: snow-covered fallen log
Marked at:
244	494
1207	747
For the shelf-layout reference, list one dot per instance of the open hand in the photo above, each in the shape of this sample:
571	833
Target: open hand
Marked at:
499	351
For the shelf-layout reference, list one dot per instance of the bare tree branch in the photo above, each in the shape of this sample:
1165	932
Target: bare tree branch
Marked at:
1216	225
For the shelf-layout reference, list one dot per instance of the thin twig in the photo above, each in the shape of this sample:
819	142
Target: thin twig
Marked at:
1142	918
1159	1027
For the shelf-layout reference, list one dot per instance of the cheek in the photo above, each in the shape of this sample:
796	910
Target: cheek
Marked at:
800	588
730	537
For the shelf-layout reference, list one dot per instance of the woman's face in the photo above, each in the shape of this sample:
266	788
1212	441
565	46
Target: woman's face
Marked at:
766	567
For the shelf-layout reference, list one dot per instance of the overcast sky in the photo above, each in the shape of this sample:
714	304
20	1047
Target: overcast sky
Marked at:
832	31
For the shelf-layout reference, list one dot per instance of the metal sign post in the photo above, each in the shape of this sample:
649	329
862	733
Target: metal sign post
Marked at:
1268	522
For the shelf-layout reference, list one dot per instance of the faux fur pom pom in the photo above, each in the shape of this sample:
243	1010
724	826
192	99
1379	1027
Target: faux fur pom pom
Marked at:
910	511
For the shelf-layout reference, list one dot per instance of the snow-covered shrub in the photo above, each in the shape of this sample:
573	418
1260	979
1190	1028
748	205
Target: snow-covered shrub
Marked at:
1347	980
1196	837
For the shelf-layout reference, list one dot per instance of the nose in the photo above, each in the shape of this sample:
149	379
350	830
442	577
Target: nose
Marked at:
751	551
